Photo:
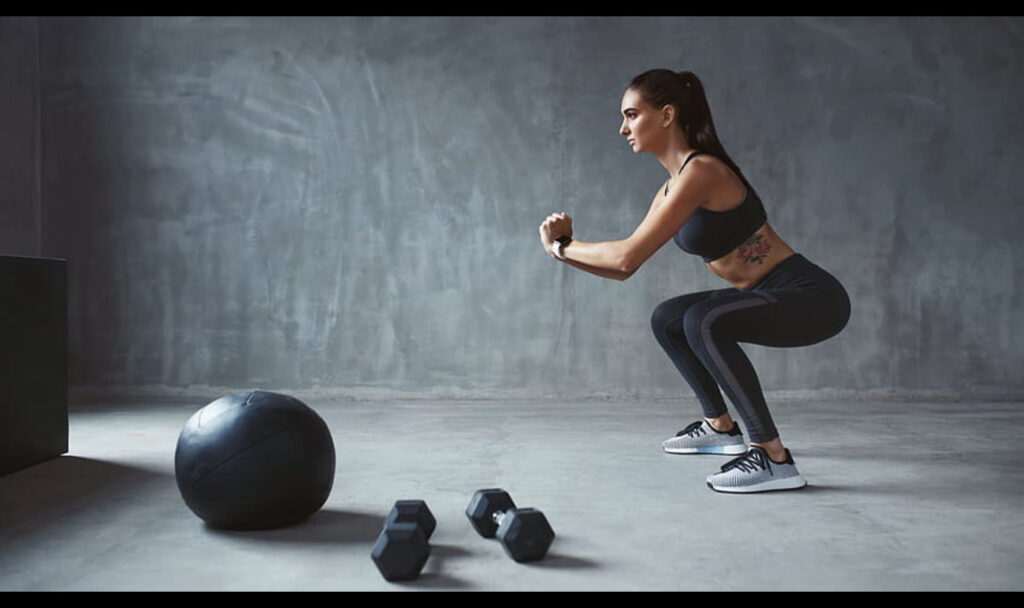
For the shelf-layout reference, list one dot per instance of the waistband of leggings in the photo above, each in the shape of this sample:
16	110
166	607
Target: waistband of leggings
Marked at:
794	261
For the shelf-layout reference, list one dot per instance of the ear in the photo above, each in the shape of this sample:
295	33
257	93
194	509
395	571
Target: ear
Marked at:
667	114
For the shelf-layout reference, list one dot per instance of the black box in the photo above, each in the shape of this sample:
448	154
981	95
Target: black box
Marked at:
33	361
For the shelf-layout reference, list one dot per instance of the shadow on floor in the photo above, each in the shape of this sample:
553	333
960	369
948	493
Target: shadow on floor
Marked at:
433	576
332	526
563	561
326	526
66	487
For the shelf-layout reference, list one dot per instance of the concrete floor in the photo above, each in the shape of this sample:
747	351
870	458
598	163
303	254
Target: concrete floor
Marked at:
901	496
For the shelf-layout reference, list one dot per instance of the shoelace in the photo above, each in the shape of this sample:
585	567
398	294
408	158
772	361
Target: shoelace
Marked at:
749	462
697	428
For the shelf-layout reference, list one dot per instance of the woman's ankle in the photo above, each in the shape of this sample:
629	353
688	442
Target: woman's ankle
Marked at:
775	451
721	425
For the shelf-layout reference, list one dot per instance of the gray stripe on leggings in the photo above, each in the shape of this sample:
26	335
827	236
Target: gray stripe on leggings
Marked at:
705	335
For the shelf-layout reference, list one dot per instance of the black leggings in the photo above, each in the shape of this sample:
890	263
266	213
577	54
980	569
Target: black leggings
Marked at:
798	303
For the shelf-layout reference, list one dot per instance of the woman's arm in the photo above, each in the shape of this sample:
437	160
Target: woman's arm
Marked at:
608	273
601	254
606	255
601	272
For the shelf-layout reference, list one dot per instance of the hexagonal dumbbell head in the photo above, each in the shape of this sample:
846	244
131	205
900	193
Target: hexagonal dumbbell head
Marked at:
412	511
401	551
525	534
483	507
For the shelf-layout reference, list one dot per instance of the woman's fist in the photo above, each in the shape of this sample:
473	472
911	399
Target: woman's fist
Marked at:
557	225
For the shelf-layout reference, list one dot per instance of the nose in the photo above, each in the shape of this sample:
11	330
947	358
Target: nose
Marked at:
623	130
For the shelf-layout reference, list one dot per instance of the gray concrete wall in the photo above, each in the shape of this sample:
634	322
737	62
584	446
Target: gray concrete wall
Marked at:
20	210
352	204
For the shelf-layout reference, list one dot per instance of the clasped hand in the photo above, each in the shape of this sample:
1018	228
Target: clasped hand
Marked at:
554	227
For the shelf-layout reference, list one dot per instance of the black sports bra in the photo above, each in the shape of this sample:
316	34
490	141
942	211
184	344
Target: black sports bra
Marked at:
712	234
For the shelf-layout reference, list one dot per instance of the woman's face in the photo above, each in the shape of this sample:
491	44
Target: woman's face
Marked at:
641	123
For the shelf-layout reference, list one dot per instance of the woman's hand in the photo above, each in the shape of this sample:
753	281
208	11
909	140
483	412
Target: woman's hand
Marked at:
561	225
555	226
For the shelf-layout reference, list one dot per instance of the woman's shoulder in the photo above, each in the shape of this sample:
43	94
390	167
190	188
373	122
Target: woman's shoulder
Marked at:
729	187
720	168
707	159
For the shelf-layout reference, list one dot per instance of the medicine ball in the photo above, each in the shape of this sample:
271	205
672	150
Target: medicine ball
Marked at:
254	461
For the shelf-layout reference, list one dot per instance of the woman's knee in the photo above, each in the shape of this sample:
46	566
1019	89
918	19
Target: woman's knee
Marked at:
663	314
663	321
672	310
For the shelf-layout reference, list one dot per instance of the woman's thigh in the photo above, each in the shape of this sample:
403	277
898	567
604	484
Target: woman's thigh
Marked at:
783	317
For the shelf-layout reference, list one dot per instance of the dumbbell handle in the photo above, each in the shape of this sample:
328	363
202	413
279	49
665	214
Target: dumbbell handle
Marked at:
498	516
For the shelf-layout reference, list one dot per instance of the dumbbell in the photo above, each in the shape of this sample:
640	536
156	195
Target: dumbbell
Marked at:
402	549
524	533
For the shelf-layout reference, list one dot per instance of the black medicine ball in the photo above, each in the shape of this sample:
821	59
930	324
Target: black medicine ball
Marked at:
254	461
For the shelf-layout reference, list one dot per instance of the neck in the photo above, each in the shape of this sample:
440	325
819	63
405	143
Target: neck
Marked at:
672	159
674	153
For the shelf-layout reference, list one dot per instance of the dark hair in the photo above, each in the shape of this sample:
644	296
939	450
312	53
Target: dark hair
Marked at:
684	91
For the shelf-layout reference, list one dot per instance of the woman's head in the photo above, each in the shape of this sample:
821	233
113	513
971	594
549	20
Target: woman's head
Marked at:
680	90
678	98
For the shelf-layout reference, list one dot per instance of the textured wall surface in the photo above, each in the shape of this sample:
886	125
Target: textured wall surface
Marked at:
20	217
352	203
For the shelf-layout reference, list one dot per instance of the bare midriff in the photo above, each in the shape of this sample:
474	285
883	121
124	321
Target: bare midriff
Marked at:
752	259
755	257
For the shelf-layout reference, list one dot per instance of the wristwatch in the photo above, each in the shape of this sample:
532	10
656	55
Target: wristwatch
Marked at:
562	242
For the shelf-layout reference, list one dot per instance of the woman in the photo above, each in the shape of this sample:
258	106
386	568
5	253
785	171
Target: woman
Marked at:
779	298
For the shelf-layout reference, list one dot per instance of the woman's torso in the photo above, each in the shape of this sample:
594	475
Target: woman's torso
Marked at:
754	258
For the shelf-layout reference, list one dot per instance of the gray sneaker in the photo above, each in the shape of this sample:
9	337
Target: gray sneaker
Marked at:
701	438
756	472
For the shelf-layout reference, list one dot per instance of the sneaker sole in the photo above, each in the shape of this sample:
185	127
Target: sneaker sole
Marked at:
789	483
711	449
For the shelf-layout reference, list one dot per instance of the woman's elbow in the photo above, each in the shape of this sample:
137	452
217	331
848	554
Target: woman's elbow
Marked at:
631	261
629	265
626	266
